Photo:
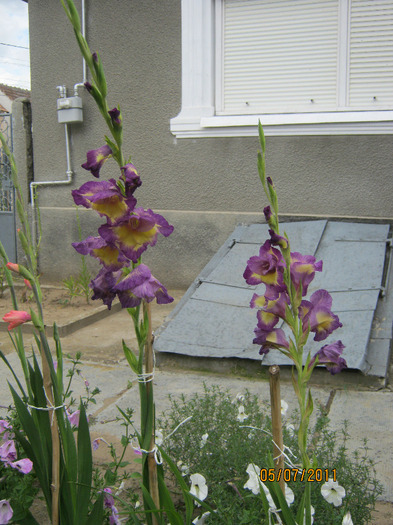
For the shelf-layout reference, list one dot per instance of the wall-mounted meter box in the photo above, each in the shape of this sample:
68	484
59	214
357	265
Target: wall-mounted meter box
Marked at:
69	110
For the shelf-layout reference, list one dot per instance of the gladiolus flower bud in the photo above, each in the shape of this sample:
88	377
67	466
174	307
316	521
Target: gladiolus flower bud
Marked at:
15	318
13	267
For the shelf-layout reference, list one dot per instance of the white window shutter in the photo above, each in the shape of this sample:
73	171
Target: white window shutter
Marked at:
279	56
371	54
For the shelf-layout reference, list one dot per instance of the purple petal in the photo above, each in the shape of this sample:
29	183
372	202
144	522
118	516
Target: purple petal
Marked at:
23	465
6	512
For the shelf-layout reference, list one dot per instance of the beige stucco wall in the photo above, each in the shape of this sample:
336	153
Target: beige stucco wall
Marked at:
204	186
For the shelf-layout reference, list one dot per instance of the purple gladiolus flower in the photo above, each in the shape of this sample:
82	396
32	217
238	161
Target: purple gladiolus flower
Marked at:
133	235
276	306
105	198
23	465
109	256
267	213
6	512
115	116
267	268
318	315
131	179
303	268
140	284
278	239
330	355
103	286
270	339
96	158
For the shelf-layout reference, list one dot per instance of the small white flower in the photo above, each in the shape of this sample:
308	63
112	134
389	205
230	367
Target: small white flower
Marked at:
241	415
120	489
159	437
347	520
239	398
201	519
333	492
204	440
253	482
284	407
137	504
184	469
198	487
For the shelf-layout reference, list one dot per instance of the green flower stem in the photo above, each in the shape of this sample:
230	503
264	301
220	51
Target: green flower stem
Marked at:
292	318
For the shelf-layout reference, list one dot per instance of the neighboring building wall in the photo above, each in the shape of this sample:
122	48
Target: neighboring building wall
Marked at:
202	186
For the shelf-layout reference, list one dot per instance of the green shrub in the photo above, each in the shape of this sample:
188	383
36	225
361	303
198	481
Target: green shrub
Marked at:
231	445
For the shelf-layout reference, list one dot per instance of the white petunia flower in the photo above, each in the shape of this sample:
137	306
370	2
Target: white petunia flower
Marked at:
284	407
204	440
198	487
201	519
333	492
159	437
253	482
347	520
241	415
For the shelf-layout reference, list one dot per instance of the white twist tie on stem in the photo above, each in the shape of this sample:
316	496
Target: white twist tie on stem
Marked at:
47	409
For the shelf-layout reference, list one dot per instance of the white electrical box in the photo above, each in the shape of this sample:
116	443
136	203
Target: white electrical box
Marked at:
69	110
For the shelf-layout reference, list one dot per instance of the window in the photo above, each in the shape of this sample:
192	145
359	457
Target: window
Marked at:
300	66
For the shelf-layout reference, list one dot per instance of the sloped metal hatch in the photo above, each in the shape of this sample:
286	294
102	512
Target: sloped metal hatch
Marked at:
214	320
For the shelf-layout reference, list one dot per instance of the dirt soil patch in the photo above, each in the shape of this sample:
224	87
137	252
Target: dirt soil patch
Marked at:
58	306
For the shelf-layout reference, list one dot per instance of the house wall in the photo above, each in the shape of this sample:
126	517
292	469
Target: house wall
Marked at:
202	186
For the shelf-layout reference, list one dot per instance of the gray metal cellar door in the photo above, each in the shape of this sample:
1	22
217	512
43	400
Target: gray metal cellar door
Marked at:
214	320
7	192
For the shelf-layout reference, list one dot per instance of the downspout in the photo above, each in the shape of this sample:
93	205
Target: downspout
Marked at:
69	172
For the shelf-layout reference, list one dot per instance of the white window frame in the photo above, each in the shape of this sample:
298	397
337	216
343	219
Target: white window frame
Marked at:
198	119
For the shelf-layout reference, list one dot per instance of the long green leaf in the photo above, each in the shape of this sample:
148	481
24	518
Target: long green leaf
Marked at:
96	516
85	467
2	356
33	446
28	519
188	498
166	500
151	507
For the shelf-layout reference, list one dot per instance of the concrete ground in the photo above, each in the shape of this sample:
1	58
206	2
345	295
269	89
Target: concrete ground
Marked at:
369	411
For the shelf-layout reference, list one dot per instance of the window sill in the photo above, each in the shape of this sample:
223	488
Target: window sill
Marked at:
328	123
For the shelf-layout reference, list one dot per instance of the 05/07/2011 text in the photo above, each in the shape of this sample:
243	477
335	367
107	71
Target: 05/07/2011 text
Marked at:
294	474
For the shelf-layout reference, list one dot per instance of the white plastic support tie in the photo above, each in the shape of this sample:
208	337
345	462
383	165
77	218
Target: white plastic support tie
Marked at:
178	426
282	453
157	453
148	377
145	378
47	409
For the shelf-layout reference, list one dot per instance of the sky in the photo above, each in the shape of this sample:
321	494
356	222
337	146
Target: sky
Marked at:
14	31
